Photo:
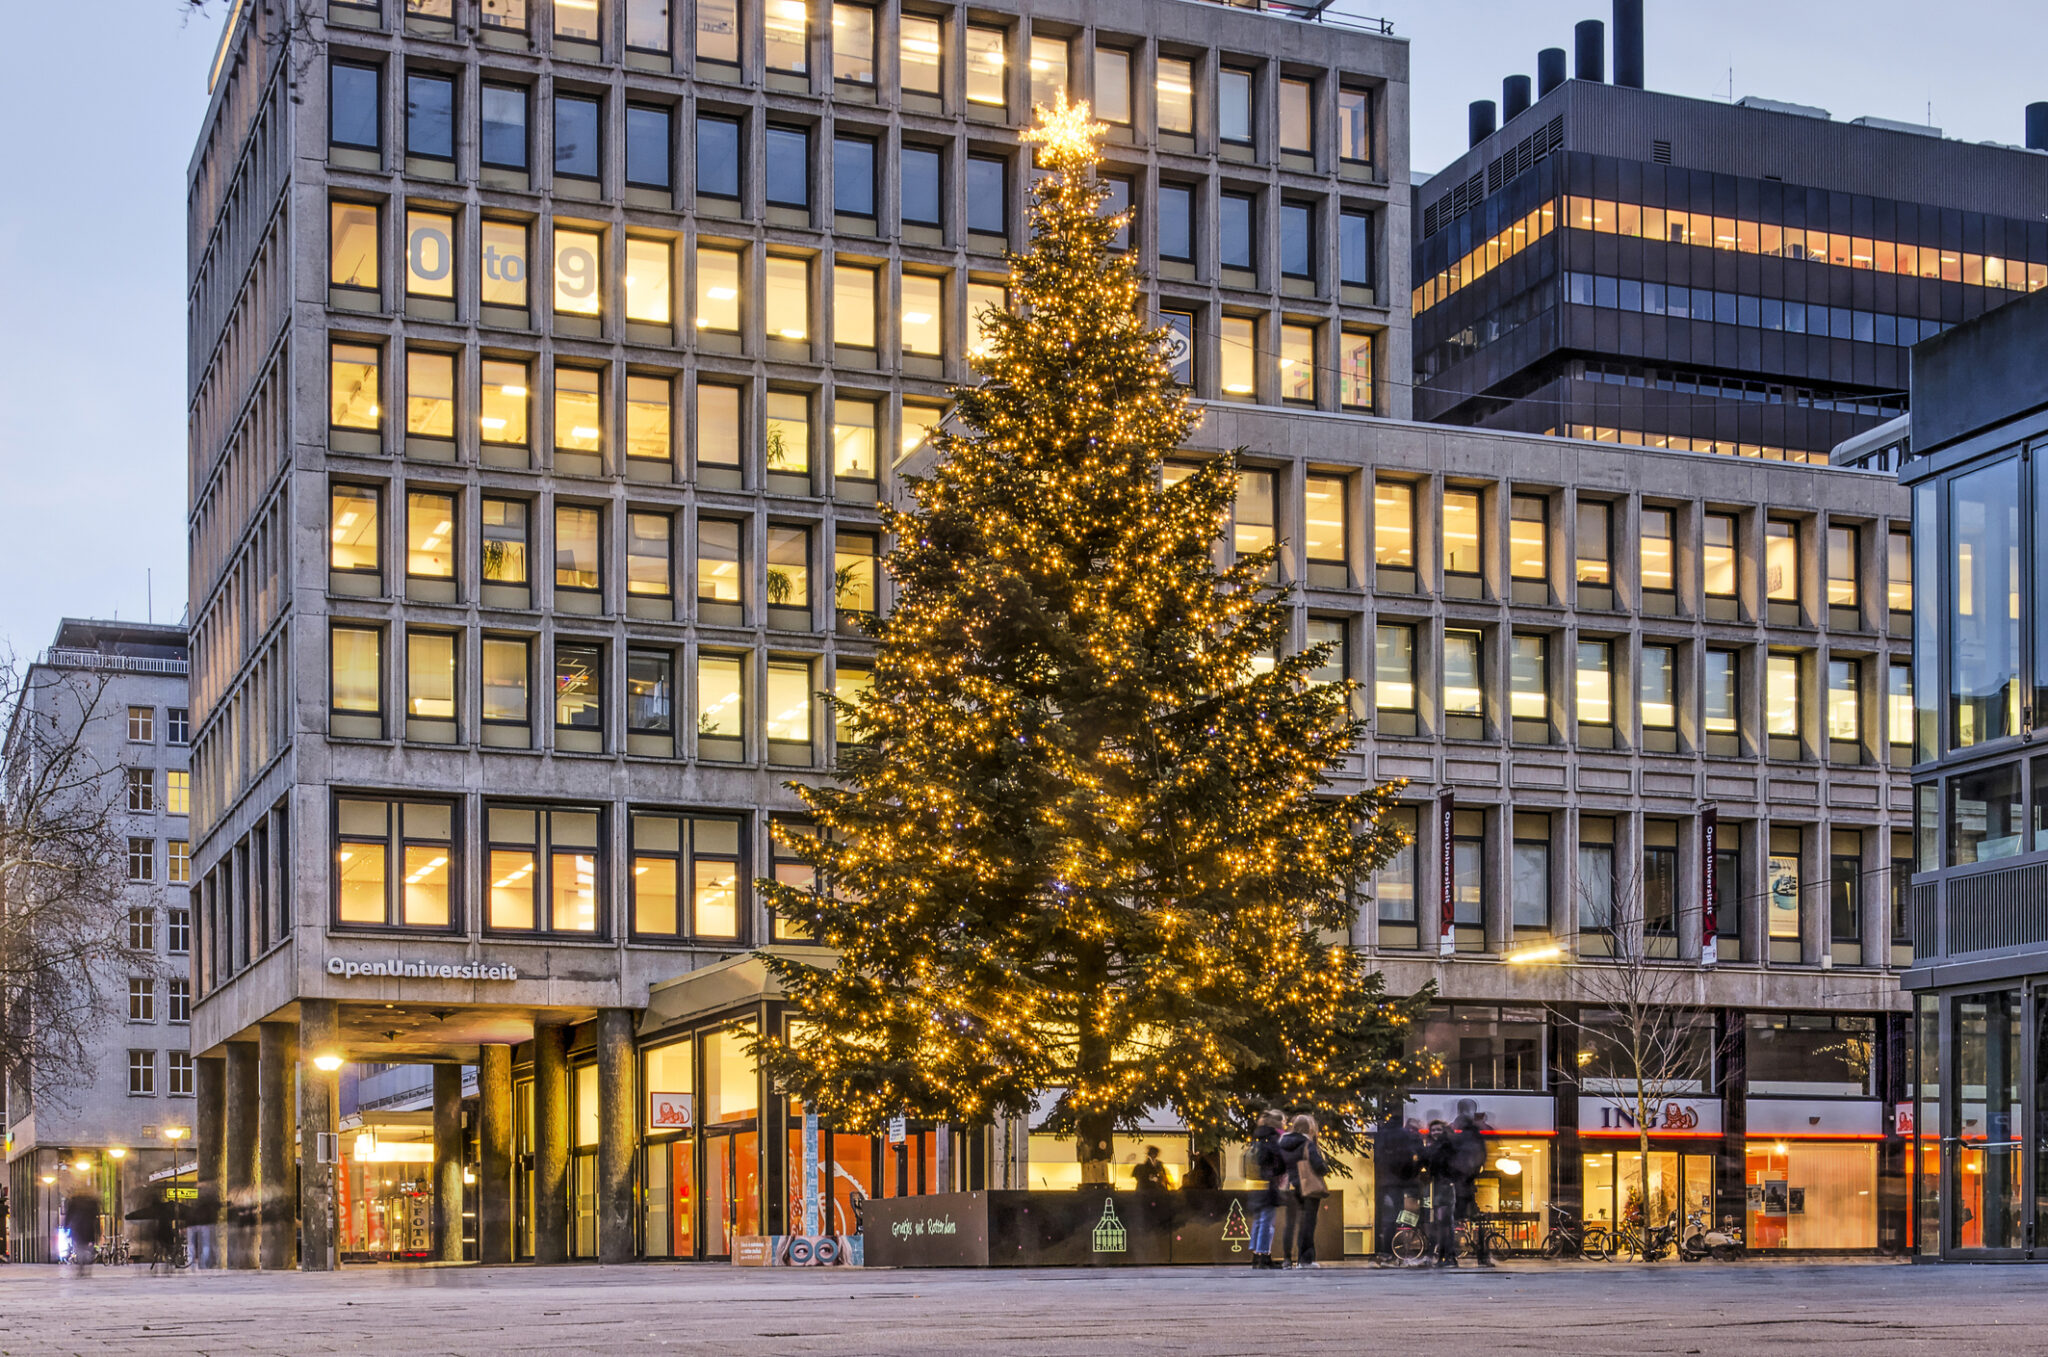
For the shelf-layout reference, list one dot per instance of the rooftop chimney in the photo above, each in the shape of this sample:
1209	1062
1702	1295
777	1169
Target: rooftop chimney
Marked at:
1514	97
2037	127
1628	43
1549	70
1479	121
1589	51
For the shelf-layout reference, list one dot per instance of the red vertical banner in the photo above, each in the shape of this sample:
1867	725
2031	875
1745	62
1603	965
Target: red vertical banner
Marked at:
1447	877
1710	881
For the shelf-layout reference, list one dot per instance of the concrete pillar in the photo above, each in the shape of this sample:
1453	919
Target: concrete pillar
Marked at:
317	1117
551	1144
616	1123
494	1154
208	1113
277	1061
448	1163
238	1156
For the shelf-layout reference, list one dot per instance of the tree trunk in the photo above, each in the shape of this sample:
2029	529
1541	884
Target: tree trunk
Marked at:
1094	1132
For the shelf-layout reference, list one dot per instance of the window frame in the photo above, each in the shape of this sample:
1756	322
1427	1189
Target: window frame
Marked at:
393	844
376	74
544	849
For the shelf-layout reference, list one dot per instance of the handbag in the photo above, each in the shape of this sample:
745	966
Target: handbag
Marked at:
1310	1183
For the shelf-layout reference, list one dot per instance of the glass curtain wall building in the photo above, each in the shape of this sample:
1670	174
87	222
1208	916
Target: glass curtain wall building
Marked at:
1980	975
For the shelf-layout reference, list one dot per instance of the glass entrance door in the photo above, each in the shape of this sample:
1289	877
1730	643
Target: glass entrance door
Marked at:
1679	1184
1982	1148
732	1189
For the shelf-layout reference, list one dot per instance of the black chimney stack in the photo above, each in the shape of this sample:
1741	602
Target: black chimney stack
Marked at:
1514	97
1589	57
1479	121
1549	70
1628	43
2037	127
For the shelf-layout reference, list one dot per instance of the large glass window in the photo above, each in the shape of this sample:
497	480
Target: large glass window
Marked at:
354	109
502	144
546	869
718	289
918	55
786	36
1393	524
1717	555
1528	538
1462	532
853	44
354	386
986	60
417	838
789	166
1812	1055
718	157
352	246
1985	582
577	129
1984	815
686	876
1483	1047
1176	95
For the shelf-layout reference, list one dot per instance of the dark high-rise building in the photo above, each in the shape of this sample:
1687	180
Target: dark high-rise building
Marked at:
1623	265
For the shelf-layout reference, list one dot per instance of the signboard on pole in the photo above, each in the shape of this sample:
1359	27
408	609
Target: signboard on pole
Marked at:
810	1172
1710	902
899	1130
1447	877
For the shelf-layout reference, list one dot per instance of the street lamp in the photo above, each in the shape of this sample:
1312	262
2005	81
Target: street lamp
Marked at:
174	1134
328	1062
117	1153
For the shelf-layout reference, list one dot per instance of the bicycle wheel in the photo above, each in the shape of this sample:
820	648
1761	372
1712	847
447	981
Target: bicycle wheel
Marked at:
1554	1244
1407	1244
1597	1246
1497	1245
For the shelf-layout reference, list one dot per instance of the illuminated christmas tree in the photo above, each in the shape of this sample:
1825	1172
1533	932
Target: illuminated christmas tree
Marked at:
1084	840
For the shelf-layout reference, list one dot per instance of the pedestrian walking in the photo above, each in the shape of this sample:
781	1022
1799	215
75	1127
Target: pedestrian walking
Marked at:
1307	1186
82	1224
1439	1157
205	1220
1150	1172
1397	1162
1468	1161
1267	1167
163	1234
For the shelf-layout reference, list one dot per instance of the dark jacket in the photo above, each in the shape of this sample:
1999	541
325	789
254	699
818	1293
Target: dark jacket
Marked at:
1295	1147
1468	1151
1271	1165
1201	1175
1440	1157
1399	1148
82	1219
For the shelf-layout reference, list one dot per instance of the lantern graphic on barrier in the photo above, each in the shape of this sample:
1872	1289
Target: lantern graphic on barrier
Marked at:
1109	1231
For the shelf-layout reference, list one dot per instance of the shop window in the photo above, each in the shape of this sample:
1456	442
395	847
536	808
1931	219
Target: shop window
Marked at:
1810	1055
687	880
719	439
1394	884
1483	1047
396	864
546	869
919	55
1683	1041
1803	1195
503	258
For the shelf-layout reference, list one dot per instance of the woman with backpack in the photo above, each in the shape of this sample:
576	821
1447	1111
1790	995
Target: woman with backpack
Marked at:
1307	1185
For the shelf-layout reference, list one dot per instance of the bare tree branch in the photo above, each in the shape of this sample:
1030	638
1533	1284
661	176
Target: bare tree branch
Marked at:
64	892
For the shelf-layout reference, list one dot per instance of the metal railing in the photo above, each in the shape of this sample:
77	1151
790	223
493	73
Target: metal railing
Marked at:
130	664
1312	11
1981	912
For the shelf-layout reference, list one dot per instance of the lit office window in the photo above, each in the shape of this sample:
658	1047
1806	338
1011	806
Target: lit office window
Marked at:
1326	521
357	684
853	44
1528	538
718	427
352	532
1781	561
788	298
502	543
1845	681
429	535
1239	356
1899	571
787	721
1298	363
429	394
854	557
1899	708
1654	551
1656	688
788	433
721	710
579	427
1717	555
786	36
853	306
650	692
1297	116
579	282
648	419
851	683
429	254
917	423
718	289
718	31
1595	544
986	60
429	676
579	687
1355	370
1393	667
1596	683
353	385
576	19
1048	70
648	555
546	869
854	424
1112	85
577	547
1176	95
918	53
352	252
1354	125
923	319
789	566
647	27
1781	696
650	264
1464	671
507	662
1719	691
1252	516
985	302
1462	532
1393	524
1529	678
719	560
504	272
1842	552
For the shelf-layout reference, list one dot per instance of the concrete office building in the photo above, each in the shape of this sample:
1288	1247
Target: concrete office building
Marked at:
1979	981
123	1121
1619	264
549	362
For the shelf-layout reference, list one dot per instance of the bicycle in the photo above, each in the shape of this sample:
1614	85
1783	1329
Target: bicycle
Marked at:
112	1251
1569	1239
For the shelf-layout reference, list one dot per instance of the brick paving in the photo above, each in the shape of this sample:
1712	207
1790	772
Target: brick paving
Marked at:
1664	1310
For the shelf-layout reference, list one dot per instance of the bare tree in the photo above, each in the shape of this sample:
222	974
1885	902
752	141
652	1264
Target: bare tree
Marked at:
1642	1019
64	893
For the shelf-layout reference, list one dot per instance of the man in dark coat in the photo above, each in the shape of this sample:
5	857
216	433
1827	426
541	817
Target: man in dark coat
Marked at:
1468	1161
1397	1156
82	1223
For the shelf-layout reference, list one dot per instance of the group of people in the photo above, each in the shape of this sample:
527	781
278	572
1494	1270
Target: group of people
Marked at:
1433	1171
1293	1175
83	1215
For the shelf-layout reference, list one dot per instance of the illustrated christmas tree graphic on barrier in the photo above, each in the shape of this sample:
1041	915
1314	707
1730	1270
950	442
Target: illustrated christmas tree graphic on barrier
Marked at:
1109	1231
1236	1232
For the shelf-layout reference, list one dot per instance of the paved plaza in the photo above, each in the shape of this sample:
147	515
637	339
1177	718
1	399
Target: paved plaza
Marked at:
1668	1309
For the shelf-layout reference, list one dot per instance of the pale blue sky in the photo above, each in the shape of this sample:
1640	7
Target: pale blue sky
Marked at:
92	227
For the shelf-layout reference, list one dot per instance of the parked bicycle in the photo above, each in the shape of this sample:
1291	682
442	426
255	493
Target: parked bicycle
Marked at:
1568	1238
112	1250
1648	1243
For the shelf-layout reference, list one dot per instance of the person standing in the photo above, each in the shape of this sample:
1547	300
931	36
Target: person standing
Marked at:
1268	1168
1397	1155
1468	1161
1201	1175
205	1218
1440	1158
1150	1172
1307	1186
82	1223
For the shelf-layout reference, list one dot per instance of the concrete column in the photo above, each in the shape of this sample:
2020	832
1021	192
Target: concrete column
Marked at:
617	1100
317	1117
276	1119
448	1163
494	1154
238	1156
210	1089
550	1144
